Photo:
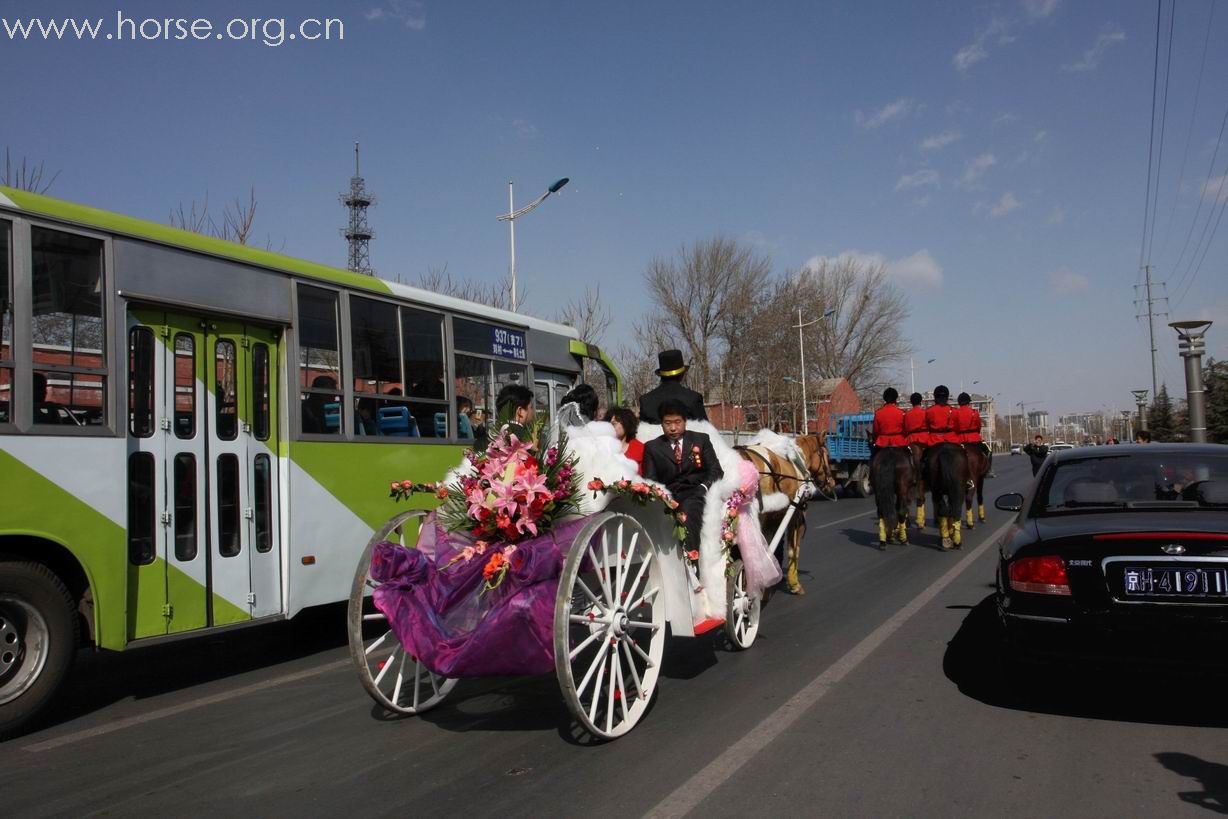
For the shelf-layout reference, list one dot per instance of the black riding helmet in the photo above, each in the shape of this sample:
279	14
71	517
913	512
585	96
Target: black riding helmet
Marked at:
890	396
964	398
915	399
941	394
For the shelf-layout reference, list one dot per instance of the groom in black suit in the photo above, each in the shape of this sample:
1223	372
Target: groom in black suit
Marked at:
686	463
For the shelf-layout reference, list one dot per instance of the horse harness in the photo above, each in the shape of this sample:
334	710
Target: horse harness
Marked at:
800	501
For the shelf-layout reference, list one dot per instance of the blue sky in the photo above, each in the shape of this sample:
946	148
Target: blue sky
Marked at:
994	154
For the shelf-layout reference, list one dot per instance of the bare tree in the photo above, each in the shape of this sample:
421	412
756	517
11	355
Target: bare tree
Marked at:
492	294
235	224
591	318
698	293
27	176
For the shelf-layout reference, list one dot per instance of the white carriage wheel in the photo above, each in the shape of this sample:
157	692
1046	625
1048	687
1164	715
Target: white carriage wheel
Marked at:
391	675
741	610
609	625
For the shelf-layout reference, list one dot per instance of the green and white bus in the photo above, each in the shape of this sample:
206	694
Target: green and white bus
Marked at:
197	435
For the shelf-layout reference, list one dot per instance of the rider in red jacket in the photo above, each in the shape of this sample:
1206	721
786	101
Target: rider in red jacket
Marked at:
888	427
967	421
915	428
940	418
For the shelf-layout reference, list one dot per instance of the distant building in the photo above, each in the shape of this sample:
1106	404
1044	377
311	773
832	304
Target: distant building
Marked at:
832	396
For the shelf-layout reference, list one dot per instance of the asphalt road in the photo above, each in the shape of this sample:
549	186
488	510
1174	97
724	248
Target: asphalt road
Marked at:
875	694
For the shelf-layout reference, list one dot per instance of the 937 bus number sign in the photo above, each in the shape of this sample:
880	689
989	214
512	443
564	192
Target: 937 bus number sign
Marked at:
506	343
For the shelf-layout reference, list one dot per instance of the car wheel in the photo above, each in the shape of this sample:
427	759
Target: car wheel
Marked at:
38	638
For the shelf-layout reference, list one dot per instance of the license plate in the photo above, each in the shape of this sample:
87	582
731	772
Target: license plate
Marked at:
1170	582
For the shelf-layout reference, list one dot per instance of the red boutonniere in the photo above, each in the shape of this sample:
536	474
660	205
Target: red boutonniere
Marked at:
697	457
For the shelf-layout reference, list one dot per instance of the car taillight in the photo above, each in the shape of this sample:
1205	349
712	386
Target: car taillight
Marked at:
1040	575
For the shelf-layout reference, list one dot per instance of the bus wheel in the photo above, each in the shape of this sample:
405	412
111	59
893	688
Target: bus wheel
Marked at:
38	638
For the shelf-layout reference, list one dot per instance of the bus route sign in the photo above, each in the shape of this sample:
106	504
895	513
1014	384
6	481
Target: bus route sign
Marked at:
506	343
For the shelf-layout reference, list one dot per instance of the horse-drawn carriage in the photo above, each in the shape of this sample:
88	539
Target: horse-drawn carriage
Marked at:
588	601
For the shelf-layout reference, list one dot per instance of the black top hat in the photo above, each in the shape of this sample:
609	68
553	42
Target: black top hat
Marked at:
670	364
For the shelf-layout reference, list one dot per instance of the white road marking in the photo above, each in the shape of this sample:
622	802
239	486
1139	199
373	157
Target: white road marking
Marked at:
170	711
844	520
699	787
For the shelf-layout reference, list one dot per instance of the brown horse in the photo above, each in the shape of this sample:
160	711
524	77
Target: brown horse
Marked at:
918	450
779	482
894	477
947	479
814	451
978	468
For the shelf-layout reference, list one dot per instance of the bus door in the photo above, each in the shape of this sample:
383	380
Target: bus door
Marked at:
245	544
167	561
549	387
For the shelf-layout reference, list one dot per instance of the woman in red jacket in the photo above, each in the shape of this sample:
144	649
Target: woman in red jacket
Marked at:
625	425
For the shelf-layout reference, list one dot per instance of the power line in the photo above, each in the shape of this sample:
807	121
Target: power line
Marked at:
1168	64
1211	239
1155	81
1189	134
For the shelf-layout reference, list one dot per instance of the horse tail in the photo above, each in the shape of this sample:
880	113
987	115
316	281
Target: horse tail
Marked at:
883	470
952	467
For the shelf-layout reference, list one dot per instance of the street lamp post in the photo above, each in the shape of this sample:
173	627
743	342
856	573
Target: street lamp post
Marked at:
1140	400
912	373
1192	346
801	346
512	215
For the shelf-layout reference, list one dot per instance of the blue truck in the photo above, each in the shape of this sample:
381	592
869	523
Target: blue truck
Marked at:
848	447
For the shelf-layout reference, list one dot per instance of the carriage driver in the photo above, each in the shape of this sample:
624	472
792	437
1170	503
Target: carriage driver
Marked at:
686	463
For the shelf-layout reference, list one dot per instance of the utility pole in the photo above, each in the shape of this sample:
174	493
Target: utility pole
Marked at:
1150	301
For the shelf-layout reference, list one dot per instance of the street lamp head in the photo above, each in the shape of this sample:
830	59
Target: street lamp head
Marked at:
558	186
830	311
931	361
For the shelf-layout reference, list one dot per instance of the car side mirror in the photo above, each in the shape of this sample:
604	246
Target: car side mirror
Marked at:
1010	502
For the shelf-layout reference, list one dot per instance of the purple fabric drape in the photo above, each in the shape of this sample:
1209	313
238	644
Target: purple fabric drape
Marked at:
439	616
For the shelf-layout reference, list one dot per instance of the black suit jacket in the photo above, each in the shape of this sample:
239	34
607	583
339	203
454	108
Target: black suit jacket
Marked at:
671	390
659	463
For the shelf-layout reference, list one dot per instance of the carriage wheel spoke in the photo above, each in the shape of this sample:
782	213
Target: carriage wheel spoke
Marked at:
635	674
622	687
377	616
377	643
635	646
384	669
417	680
589	593
396	689
609	706
606	581
630	556
599	568
593	667
587	642
646	597
585	620
430	675
616	585
592	708
635	584
642	624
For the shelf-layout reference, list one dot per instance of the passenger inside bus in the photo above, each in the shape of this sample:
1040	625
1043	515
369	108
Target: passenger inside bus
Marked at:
321	412
45	412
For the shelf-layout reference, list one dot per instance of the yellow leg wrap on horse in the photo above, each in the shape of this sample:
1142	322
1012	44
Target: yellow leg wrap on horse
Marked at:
882	531
969	517
921	516
901	532
955	531
944	528
980	511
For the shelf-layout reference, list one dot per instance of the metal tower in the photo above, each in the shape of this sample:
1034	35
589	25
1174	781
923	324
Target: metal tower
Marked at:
358	233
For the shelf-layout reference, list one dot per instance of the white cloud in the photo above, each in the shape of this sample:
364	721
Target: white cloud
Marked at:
1004	119
1005	205
1057	216
976	168
922	201
1066	282
1040	136
1215	189
920	179
918	271
893	110
410	13
1092	56
1039	9
969	56
524	129
939	141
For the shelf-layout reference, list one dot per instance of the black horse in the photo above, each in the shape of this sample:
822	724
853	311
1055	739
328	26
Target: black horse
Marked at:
947	479
892	472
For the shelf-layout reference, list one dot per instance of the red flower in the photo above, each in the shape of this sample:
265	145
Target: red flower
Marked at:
493	566
596	484
693	555
639	488
442	493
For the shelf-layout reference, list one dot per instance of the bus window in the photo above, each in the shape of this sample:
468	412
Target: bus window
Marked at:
474	395
185	386
375	342
229	541
141	508
226	399
422	348
185	507
508	374
141	382
67	329
263	511
6	326
319	361
260	391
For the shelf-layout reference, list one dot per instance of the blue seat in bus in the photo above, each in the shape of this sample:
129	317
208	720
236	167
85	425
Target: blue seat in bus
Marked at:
332	416
463	426
397	421
441	425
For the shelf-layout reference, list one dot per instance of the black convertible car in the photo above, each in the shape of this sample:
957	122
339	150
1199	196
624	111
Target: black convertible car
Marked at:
1120	551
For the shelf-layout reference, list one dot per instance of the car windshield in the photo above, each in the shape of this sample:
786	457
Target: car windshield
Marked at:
1136	480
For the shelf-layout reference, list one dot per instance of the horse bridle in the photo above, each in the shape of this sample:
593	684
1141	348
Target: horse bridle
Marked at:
800	505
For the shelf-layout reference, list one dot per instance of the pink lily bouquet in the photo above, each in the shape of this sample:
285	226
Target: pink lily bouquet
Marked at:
515	492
